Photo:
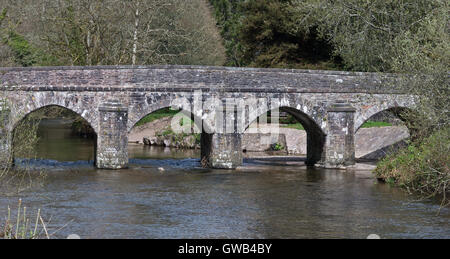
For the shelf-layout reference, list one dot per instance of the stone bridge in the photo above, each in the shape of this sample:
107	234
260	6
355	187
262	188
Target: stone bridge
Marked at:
330	105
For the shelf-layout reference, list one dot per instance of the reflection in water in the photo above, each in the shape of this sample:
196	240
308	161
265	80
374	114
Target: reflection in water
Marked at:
282	200
56	142
138	151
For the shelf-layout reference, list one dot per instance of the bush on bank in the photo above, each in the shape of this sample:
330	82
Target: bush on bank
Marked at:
421	168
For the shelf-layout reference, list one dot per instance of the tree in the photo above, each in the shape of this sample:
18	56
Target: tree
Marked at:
228	15
6	56
411	39
113	32
93	32
14	45
272	36
364	33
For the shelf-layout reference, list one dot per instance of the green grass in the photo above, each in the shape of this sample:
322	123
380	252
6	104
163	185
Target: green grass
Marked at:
368	124
166	112
296	126
421	168
374	124
166	132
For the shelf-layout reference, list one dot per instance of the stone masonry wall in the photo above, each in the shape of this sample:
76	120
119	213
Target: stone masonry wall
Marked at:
304	93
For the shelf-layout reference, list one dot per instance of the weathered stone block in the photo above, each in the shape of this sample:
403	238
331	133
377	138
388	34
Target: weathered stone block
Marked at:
112	140
339	149
222	151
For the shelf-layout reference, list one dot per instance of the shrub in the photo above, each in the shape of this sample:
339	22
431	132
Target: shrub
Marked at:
277	147
421	168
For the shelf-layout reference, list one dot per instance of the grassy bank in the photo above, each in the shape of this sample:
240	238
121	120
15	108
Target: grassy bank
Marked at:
166	112
375	124
296	126
422	168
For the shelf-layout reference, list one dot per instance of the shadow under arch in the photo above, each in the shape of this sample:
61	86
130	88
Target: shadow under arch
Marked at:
28	125
315	137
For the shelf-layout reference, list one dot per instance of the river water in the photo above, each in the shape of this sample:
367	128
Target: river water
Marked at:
263	199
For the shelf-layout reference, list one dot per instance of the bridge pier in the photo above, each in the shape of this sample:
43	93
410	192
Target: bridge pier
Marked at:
112	139
223	148
339	149
5	137
222	151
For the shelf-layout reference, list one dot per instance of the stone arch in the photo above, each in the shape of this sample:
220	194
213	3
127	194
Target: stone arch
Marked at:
30	103
306	115
141	109
18	119
306	112
22	117
365	115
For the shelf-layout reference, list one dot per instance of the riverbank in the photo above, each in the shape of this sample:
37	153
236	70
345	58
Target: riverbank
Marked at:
421	168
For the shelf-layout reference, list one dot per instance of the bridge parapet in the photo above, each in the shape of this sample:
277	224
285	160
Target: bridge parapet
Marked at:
190	78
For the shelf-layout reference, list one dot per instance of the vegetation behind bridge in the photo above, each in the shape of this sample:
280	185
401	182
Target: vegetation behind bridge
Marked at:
108	32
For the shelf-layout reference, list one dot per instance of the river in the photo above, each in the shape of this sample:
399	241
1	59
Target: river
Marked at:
260	200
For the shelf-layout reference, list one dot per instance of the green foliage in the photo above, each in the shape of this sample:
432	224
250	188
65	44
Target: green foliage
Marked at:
296	126
166	132
20	47
410	38
228	15
422	167
272	37
109	32
3	15
289	119
267	33
374	124
372	35
277	147
166	112
181	140
23	52
198	138
71	40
